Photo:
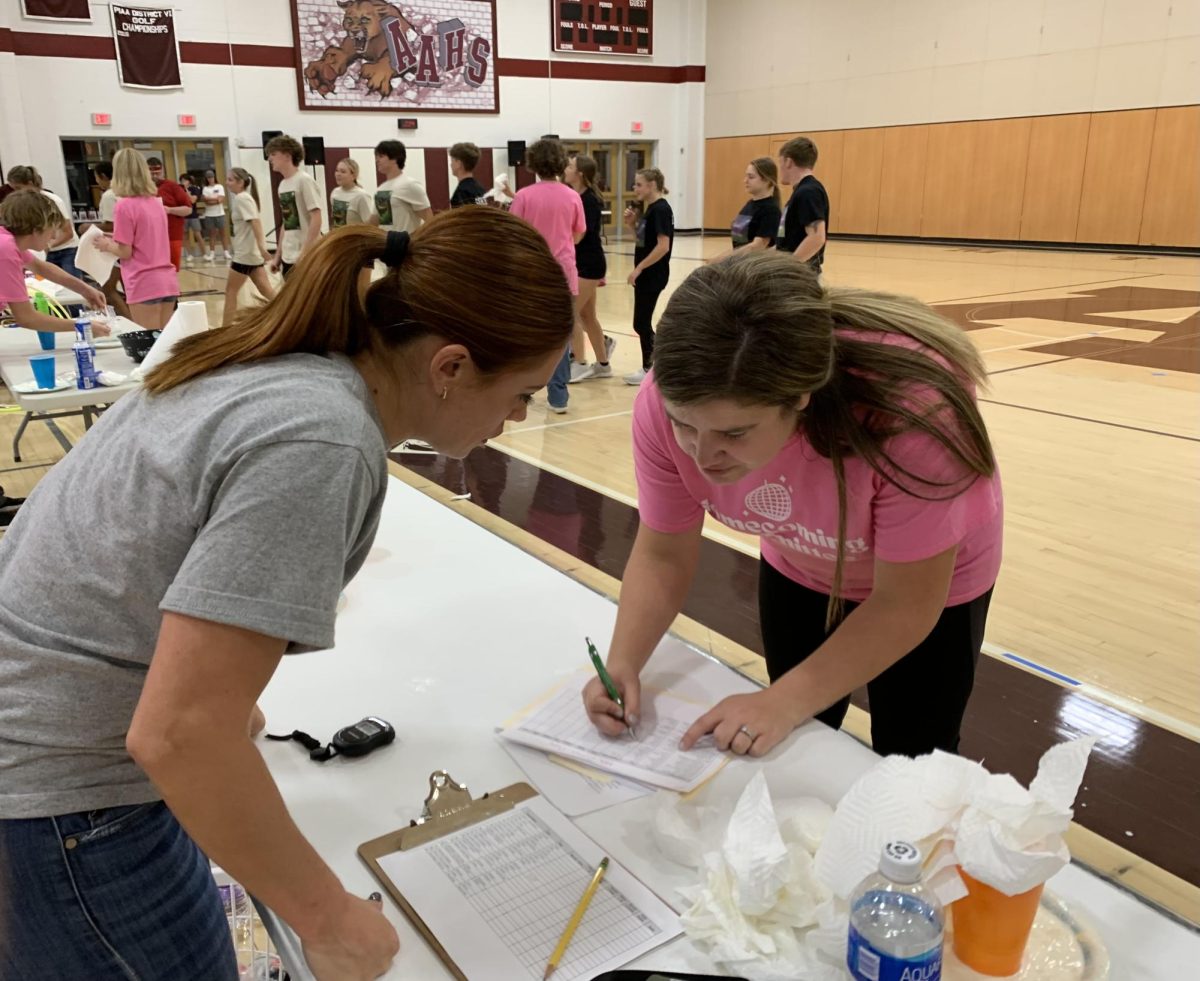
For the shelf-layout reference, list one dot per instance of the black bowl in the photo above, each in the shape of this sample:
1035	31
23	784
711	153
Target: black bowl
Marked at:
137	343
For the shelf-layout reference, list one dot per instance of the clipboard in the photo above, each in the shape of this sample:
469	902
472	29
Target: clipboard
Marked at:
449	807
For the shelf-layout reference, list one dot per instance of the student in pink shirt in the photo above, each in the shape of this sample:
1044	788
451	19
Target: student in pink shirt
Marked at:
141	241
29	221
555	210
841	427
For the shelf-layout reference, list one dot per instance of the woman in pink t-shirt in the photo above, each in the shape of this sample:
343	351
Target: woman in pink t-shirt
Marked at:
140	240
556	211
840	426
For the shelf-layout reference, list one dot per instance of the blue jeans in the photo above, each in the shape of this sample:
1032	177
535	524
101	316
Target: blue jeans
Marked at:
121	894
556	388
65	260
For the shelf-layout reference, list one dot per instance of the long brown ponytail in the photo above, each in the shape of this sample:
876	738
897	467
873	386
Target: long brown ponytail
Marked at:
320	309
248	183
758	328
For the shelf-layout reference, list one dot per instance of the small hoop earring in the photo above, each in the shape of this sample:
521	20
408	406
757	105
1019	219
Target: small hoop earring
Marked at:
445	392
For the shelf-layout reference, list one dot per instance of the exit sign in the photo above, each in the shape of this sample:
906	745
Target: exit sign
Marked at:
187	120
635	127
102	119
585	125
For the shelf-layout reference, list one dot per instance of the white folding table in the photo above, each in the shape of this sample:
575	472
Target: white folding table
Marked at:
446	631
18	345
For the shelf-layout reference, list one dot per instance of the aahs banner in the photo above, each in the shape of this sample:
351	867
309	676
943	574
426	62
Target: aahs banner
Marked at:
431	55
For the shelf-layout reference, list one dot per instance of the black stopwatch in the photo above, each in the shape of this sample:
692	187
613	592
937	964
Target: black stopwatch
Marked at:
363	737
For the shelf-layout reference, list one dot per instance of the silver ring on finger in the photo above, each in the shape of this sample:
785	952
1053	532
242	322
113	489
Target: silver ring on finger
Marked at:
747	733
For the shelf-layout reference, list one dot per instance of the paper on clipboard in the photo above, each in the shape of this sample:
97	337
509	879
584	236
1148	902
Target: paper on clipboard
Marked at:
572	788
498	894
560	726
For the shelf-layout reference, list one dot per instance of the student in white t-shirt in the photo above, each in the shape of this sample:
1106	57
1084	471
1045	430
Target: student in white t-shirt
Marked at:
108	204
299	203
401	204
349	204
216	228
250	252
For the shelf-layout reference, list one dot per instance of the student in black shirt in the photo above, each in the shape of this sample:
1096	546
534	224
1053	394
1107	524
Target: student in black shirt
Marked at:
757	224
806	217
591	265
191	224
463	159
655	231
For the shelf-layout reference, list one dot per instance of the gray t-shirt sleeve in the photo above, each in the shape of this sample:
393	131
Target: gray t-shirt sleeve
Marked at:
289	524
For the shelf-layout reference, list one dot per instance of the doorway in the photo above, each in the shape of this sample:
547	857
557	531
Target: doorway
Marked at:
617	162
178	157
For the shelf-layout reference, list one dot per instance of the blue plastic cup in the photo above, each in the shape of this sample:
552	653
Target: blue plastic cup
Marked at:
46	339
43	370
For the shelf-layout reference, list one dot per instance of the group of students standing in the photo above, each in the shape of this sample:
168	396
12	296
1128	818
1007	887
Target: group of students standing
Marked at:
565	206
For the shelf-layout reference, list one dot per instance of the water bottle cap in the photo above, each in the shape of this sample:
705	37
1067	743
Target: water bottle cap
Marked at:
901	862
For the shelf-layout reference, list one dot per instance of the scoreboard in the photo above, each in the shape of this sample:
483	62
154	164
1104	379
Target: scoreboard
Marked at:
624	27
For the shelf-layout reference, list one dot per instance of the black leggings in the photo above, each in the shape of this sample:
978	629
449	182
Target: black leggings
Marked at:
917	704
646	291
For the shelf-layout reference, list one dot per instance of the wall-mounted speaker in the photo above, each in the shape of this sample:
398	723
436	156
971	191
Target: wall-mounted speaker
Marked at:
314	150
516	153
267	136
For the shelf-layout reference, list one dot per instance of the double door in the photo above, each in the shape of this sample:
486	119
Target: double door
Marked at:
617	163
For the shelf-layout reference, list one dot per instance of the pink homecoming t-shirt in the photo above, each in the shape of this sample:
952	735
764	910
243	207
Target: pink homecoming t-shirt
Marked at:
556	211
791	503
12	269
141	222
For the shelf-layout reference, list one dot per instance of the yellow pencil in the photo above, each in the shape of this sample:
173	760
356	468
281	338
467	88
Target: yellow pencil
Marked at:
573	923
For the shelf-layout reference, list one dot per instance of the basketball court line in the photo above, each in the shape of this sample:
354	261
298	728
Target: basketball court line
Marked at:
1098	422
1043	289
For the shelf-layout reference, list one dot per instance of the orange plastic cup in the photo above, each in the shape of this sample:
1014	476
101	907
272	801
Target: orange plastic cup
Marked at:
991	929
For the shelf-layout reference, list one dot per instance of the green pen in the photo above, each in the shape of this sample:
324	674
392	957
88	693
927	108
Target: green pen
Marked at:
606	680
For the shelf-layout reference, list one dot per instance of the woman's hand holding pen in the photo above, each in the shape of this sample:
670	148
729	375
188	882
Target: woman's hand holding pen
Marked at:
607	715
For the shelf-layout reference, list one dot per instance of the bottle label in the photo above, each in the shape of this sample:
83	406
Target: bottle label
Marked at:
867	963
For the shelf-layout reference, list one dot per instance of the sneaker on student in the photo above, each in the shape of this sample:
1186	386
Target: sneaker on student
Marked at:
208	257
228	255
610	345
558	409
579	371
635	377
601	371
187	258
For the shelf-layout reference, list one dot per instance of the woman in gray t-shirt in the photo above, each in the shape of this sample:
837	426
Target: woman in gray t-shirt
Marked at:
244	484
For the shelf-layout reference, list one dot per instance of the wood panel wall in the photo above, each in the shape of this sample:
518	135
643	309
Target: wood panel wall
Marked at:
1112	178
1054	177
902	181
1171	212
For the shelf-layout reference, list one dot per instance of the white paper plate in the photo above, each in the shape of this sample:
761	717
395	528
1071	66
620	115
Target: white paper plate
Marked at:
1062	947
31	387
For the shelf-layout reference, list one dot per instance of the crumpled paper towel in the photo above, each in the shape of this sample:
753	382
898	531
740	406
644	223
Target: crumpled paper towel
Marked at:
759	909
957	814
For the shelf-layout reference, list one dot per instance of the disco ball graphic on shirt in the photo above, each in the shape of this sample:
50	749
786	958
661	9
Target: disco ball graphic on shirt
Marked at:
771	501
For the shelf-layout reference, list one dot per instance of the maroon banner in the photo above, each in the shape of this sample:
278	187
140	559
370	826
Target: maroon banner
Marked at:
57	9
147	52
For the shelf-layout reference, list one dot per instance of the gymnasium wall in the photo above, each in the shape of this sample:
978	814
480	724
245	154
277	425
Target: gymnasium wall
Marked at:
45	96
1130	177
1032	120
